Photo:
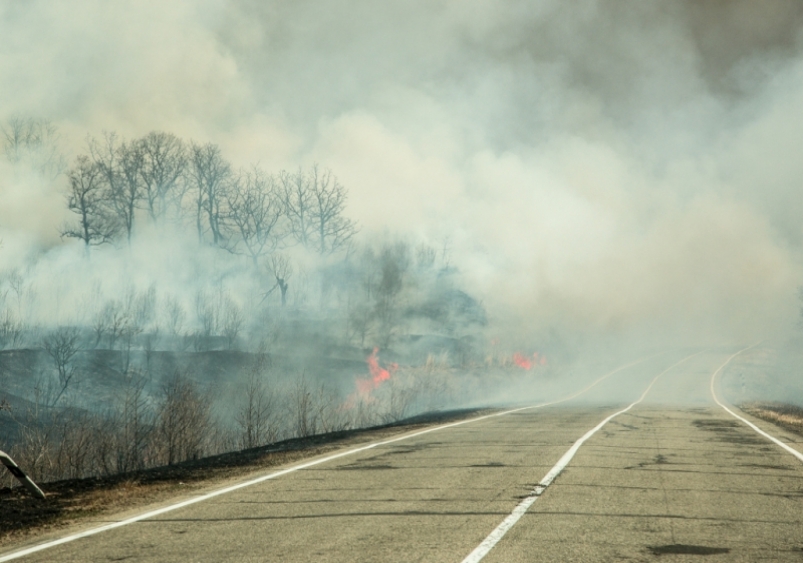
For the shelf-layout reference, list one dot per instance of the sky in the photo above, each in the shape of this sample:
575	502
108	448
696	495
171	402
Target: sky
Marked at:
591	165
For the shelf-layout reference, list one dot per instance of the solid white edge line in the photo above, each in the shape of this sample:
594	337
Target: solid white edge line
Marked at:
92	531
788	448
499	532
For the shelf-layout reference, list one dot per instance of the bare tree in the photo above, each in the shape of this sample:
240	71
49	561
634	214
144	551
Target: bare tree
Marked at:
164	160
62	345
127	192
255	418
232	322
120	164
359	319
302	409
314	203
142	306
282	270
209	174
128	334
11	331
135	423
333	231
176	315
207	312
150	342
297	199
184	419
34	141
394	261
86	198
112	321
254	212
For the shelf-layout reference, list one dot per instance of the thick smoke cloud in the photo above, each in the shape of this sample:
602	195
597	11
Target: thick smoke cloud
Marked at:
591	165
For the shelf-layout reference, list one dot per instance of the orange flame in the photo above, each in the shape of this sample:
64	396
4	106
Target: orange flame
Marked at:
378	375
522	361
525	362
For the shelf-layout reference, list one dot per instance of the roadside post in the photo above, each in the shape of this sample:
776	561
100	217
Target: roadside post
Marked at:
21	476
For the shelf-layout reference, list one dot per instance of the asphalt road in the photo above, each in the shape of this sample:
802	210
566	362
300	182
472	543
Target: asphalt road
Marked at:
675	478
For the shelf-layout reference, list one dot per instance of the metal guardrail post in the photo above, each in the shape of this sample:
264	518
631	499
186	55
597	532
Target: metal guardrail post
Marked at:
20	475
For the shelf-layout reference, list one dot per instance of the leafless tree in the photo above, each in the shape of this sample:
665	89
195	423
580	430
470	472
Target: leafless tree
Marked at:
333	231
184	419
176	315
135	422
142	306
209	175
150	342
328	412
232	322
359	318
126	194
34	140
314	203
394	261
282	271
164	160
207	311
128	334
297	199
254	213
111	321
375	307
11	331
73	441
86	198
120	164
256	416
62	345
302	408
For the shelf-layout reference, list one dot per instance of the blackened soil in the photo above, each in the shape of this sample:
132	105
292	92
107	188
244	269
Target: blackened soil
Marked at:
682	549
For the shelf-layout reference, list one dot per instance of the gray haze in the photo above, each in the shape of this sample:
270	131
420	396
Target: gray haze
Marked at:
592	166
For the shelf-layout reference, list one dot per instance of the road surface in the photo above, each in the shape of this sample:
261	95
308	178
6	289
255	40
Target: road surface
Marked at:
673	478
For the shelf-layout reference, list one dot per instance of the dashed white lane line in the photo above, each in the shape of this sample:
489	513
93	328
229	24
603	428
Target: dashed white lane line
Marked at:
158	512
499	532
788	448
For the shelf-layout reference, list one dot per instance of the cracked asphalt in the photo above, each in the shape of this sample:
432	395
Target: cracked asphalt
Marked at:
674	479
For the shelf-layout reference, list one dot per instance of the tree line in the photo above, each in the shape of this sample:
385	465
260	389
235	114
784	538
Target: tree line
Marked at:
245	211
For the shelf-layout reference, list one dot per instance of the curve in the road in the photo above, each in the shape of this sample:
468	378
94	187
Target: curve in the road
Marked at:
786	447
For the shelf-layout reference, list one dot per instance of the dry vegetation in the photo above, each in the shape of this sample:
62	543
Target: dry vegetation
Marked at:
788	417
69	501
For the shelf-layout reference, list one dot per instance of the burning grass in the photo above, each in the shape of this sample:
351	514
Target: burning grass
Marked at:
787	416
69	501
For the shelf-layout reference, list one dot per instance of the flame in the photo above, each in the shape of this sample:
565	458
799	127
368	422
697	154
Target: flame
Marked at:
378	375
522	361
527	362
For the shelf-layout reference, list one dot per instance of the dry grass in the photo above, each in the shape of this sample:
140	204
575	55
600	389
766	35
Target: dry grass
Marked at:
69	501
788	417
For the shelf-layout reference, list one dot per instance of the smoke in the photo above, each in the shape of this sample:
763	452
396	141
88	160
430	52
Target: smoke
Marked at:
591	166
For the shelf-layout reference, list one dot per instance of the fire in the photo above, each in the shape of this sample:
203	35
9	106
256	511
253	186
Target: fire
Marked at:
527	362
378	375
522	361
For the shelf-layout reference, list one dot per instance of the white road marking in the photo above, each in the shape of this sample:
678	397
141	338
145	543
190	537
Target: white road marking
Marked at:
276	474
788	448
499	532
